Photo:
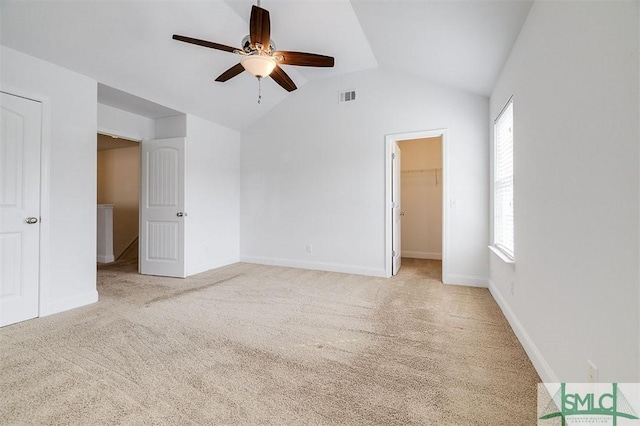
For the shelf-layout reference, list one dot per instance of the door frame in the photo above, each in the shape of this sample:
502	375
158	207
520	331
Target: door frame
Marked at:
45	186
390	140
396	208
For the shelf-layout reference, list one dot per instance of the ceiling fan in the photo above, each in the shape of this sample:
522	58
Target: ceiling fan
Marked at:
259	54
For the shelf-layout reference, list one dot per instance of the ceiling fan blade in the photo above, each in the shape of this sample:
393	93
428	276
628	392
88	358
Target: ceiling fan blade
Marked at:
205	43
303	59
283	79
260	27
230	73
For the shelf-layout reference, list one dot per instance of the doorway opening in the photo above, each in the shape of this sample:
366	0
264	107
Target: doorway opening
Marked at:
118	176
421	193
416	193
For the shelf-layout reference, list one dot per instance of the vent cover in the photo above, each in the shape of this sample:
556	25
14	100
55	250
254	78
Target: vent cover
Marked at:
347	96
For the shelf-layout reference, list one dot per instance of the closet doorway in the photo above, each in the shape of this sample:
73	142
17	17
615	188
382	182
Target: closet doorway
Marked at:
417	222
118	195
421	198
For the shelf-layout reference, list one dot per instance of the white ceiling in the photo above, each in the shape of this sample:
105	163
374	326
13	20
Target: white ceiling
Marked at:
127	45
458	43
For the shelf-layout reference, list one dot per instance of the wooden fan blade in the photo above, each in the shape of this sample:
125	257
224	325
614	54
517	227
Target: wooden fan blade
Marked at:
283	79
260	27
230	73
303	59
205	43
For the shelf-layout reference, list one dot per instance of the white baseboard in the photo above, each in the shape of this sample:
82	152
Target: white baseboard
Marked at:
105	258
468	280
316	266
421	255
539	363
70	303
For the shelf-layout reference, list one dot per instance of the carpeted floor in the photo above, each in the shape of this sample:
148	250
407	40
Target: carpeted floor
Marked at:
251	344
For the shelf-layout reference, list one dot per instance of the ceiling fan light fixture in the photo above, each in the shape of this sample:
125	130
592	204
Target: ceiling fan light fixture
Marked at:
258	65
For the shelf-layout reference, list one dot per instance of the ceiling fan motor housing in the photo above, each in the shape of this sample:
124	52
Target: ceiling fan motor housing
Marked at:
246	45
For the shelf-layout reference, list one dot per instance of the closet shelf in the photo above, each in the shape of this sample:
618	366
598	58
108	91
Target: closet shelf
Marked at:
421	171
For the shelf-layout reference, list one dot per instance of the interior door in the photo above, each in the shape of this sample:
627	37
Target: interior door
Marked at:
162	215
396	208
20	140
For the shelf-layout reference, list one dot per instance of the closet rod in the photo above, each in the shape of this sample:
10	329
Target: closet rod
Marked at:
421	170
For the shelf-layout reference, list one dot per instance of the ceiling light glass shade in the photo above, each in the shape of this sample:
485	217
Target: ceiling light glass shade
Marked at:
258	65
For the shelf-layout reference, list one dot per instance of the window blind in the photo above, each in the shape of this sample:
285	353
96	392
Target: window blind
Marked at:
503	223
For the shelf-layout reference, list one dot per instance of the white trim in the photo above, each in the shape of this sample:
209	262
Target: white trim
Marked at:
316	266
494	165
71	303
119	134
421	255
101	258
504	108
45	205
506	259
538	361
45	186
466	280
389	141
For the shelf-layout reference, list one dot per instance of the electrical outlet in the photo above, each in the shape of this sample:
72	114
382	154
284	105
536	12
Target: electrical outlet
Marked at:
309	248
512	288
592	372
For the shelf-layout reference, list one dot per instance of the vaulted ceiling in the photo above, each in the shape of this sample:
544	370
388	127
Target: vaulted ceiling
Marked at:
127	45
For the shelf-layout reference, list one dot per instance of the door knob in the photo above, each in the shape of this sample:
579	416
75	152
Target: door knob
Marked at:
181	214
31	220
401	213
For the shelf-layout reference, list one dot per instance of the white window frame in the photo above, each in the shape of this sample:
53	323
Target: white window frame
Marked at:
503	183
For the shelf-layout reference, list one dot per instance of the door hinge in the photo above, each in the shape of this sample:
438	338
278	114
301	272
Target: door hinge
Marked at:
393	253
393	155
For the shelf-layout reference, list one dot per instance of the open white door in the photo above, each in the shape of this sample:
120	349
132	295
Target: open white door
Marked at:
162	215
20	139
396	208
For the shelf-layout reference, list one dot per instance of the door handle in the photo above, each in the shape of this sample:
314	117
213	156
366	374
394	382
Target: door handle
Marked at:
181	214
401	213
31	220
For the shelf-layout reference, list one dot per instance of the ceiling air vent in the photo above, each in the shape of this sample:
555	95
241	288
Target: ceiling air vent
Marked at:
348	96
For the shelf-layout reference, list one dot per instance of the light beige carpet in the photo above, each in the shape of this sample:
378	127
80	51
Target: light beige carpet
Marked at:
251	344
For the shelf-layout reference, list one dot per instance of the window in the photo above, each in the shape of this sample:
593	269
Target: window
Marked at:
503	181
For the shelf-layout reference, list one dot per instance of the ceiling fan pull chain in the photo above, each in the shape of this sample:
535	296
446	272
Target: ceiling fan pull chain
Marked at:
259	90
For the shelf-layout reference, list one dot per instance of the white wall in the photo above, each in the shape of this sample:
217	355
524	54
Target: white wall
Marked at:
68	275
421	198
212	195
313	172
171	127
116	122
573	74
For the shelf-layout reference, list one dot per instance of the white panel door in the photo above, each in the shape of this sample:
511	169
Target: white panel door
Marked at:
20	140
396	207
162	233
